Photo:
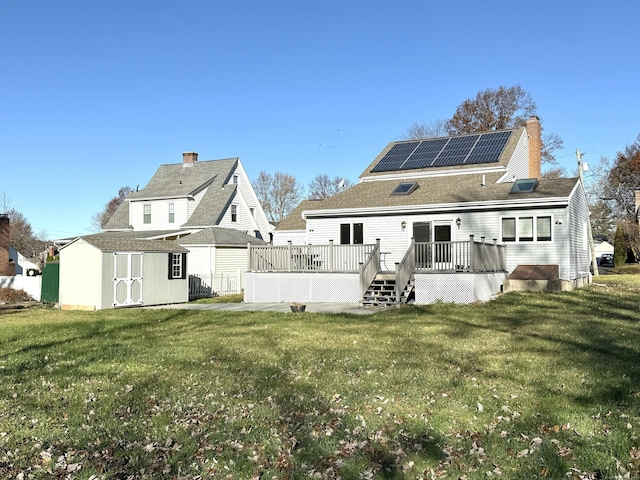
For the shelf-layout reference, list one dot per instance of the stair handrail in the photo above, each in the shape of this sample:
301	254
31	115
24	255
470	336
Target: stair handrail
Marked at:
369	269
405	269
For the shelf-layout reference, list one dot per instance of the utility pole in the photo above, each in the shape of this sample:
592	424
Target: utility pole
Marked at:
594	261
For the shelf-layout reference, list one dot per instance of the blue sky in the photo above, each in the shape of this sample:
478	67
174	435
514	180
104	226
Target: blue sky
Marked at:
96	95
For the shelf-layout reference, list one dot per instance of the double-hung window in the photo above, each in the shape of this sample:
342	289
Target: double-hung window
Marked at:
146	213
172	214
526	229
234	213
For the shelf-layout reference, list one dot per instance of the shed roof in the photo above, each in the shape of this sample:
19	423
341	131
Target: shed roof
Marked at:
113	244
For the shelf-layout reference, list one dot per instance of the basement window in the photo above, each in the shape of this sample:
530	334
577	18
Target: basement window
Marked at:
405	188
524	185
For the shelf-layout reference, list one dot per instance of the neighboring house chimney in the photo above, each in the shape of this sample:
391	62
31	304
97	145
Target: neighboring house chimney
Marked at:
4	247
189	158
534	131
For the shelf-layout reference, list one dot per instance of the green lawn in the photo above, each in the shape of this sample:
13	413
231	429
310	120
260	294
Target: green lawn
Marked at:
527	386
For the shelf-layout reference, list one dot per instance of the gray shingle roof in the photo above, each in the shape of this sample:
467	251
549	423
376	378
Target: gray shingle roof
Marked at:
457	189
113	244
220	236
211	208
177	180
294	220
120	218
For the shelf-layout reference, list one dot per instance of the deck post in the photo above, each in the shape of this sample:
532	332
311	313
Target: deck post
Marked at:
331	255
290	256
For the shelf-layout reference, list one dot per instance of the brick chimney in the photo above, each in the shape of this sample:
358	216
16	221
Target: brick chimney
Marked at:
189	158
4	247
534	131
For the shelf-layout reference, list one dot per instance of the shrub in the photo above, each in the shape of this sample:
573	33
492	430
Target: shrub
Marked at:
9	295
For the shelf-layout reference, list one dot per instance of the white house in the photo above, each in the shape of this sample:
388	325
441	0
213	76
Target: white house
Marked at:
427	205
23	265
213	201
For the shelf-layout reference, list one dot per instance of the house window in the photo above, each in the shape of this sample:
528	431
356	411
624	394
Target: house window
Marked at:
543	229
172	216
358	233
346	230
234	179
526	229
177	266
345	233
146	213
234	213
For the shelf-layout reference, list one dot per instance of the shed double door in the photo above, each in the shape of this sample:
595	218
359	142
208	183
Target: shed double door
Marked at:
127	279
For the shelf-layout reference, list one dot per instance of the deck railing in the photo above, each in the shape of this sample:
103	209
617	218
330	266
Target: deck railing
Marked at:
369	269
309	258
462	256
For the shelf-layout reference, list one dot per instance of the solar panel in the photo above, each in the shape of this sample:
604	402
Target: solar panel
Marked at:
395	157
444	152
489	148
425	154
456	151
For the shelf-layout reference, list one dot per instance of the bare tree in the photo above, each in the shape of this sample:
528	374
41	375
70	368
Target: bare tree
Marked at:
322	186
418	130
100	219
497	109
556	172
278	194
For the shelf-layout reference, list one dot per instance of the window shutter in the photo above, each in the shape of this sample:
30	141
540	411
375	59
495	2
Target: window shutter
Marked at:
184	266
170	266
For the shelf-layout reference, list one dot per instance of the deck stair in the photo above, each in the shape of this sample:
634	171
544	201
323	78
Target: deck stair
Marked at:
382	291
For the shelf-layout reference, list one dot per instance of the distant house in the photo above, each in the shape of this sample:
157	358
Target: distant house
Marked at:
207	208
453	216
23	266
602	248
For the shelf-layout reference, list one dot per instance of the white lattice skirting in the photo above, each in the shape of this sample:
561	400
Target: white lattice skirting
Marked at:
457	287
302	287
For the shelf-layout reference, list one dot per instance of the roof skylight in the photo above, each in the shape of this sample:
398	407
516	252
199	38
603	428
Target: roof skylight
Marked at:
524	185
404	188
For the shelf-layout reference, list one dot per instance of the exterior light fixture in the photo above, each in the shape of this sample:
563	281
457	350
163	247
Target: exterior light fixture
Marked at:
458	222
403	225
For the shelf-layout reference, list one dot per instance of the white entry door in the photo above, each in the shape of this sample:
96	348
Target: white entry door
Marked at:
127	279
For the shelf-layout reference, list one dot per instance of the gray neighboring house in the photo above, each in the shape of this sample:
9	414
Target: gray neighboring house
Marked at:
207	209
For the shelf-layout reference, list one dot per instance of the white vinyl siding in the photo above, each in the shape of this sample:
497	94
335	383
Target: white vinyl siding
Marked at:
160	214
488	224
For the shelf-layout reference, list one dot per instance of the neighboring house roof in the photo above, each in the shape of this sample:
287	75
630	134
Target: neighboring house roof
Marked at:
107	243
120	218
220	236
212	206
440	191
294	220
180	180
